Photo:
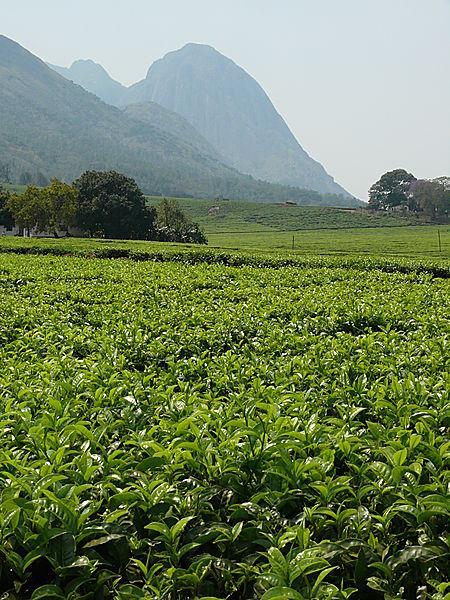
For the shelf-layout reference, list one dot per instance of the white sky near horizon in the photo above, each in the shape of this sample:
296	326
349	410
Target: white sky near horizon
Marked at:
364	85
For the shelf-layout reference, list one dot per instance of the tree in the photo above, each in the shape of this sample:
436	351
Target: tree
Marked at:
174	226
29	209
169	214
4	172
112	205
61	202
392	189
6	218
432	196
25	178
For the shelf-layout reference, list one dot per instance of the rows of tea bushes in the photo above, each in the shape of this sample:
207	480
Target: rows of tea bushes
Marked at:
181	431
189	254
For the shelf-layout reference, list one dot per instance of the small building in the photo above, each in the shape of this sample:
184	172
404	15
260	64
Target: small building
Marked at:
10	232
18	231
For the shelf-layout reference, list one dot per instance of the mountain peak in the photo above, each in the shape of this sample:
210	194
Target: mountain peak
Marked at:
235	115
201	54
87	63
195	46
94	78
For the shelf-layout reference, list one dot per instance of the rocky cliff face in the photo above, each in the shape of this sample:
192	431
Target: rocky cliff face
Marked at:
225	105
231	110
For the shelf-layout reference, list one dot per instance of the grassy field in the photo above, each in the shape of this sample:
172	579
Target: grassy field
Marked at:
404	241
183	431
13	187
313	230
409	242
219	216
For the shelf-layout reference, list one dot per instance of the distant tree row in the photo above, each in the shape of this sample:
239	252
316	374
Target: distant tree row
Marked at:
399	189
98	204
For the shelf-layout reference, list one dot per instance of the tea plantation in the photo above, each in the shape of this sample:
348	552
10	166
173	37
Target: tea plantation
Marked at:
182	428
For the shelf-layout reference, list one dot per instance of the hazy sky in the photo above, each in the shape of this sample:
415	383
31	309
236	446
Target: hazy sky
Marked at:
363	84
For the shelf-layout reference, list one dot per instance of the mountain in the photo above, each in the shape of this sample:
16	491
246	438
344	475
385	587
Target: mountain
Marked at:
173	123
231	110
53	127
225	105
93	78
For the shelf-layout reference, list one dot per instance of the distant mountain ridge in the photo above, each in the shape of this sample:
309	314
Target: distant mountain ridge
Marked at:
50	125
94	78
227	107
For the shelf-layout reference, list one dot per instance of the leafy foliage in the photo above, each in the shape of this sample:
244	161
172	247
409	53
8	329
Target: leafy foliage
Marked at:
174	430
6	218
431	196
391	189
29	209
401	189
112	205
175	226
62	202
104	204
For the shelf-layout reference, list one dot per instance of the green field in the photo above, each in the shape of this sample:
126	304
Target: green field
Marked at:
189	429
418	241
414	242
220	216
313	230
18	188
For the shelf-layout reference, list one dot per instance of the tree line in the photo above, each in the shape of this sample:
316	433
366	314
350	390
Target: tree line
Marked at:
399	189
98	204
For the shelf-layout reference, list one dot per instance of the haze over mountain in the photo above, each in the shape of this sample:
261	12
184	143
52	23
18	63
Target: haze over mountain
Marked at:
227	106
232	111
173	123
93	78
51	125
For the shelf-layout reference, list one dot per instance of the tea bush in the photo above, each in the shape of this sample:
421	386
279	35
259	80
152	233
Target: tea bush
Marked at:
179	431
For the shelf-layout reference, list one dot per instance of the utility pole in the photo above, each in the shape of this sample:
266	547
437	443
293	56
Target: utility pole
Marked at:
293	242
439	238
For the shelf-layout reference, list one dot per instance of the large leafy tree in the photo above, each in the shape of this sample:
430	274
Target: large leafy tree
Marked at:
112	205
6	218
61	201
432	196
30	210
392	189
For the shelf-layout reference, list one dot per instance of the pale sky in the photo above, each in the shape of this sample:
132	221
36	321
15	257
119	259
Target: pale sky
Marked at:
364	85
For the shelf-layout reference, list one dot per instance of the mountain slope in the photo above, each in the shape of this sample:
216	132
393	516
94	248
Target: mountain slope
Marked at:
51	125
173	123
231	110
93	78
